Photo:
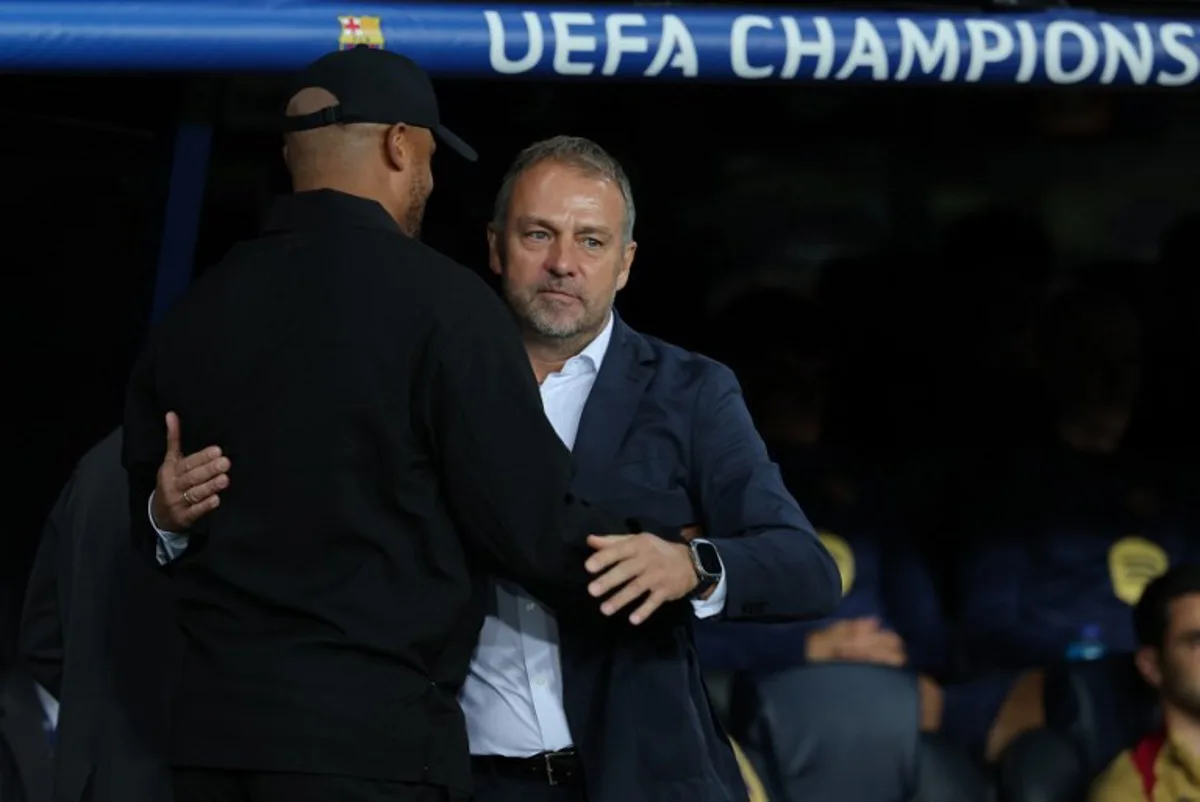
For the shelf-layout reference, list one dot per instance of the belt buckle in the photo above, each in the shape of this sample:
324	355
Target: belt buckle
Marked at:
548	759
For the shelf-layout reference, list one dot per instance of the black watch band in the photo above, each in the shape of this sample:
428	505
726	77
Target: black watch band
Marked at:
707	564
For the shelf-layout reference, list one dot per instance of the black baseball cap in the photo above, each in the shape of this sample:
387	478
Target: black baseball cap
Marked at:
373	86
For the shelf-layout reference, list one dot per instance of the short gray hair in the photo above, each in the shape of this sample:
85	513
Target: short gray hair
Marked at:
574	151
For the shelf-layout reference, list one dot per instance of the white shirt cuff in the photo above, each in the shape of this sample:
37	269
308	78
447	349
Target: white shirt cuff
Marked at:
49	705
715	603
170	544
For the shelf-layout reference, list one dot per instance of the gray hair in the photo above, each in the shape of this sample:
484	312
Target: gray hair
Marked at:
574	151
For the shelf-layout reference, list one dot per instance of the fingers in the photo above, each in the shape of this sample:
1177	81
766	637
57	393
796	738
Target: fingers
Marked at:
690	533
625	597
195	494
648	608
199	468
620	573
191	513
609	554
173	449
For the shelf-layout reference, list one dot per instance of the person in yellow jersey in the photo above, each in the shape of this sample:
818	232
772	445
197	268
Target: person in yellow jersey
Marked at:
754	786
1165	765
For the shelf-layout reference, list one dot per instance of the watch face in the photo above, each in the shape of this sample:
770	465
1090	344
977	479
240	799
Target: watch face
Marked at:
707	554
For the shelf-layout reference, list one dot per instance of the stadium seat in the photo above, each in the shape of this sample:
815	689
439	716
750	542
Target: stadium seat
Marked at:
25	759
946	772
830	731
1094	710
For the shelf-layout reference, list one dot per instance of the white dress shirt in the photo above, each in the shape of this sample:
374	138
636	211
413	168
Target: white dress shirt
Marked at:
512	697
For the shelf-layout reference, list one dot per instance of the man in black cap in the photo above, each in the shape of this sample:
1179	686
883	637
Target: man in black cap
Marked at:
375	405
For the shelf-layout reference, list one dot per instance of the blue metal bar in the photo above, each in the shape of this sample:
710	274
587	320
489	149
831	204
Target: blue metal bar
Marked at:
181	217
1058	46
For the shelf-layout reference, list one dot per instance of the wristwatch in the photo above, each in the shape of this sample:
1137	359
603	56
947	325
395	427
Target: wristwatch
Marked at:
707	563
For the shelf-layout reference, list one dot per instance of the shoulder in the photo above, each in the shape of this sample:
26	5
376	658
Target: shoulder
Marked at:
689	367
1124	779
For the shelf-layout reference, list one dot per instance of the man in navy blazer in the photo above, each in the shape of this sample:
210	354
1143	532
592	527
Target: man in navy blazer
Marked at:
562	706
658	433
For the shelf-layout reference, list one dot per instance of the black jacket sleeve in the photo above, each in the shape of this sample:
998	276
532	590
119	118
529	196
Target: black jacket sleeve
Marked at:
40	646
143	450
504	470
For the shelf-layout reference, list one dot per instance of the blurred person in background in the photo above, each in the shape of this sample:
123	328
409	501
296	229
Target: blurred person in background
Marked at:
892	613
558	708
1165	765
1070	528
98	634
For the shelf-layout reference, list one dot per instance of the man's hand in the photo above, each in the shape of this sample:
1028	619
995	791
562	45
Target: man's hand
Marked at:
858	640
640	565
187	486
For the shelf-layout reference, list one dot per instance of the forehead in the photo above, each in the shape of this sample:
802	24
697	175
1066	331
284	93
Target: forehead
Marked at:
1183	614
557	191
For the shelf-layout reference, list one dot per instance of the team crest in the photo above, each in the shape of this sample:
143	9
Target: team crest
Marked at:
1133	562
360	31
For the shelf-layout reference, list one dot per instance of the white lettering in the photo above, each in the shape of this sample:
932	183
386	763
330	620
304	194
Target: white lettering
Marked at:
915	47
739	36
1089	52
1181	52
983	51
496	44
866	50
1029	51
566	43
1119	50
676	49
797	48
619	43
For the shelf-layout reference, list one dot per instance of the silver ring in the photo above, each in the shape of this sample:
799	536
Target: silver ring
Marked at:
187	496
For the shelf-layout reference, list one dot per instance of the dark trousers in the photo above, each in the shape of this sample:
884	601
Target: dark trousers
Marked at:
491	787
209	785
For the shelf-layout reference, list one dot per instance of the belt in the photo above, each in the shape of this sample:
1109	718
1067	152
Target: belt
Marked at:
552	768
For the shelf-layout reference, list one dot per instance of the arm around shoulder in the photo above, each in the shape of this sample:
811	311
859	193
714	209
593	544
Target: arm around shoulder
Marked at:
775	565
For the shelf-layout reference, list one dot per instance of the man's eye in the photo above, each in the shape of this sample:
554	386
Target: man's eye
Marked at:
536	234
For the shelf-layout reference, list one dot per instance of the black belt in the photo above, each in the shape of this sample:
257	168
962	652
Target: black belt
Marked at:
552	768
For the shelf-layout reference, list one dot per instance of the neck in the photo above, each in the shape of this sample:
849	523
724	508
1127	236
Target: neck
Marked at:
1184	728
549	357
548	354
349	185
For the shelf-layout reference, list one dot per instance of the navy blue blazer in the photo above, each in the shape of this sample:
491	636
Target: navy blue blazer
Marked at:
665	436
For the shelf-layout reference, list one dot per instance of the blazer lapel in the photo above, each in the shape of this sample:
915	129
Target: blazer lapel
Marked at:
614	400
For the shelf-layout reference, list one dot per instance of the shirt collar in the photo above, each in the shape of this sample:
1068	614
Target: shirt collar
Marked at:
326	208
593	355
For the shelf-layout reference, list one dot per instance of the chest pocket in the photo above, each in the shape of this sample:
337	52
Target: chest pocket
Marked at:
649	488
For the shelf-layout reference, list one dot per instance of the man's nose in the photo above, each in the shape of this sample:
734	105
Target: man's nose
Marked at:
560	260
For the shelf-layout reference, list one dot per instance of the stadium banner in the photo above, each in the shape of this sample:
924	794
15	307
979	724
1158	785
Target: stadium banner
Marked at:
661	43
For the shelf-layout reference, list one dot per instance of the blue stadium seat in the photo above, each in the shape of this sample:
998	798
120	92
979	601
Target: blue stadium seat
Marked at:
1094	710
845	731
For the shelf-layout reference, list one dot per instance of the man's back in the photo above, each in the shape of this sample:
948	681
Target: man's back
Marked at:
328	602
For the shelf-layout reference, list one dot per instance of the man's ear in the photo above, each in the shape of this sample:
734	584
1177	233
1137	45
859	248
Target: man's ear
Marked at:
495	263
1149	665
626	264
399	147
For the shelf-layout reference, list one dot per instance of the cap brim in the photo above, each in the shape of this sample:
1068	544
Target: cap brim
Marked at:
455	144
